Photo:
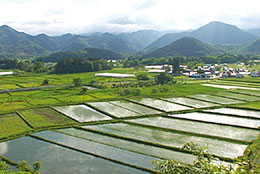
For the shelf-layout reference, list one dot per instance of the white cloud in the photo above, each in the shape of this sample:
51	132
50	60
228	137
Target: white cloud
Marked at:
75	16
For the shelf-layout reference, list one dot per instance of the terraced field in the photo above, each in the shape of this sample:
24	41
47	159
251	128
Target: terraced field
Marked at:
191	102
82	113
125	136
215	99
161	105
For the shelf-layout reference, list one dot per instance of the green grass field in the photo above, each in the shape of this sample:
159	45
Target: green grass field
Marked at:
45	117
11	125
28	80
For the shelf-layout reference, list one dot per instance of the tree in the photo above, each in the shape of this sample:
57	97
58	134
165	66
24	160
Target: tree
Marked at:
45	82
142	76
77	82
24	66
39	67
204	164
163	78
83	90
175	62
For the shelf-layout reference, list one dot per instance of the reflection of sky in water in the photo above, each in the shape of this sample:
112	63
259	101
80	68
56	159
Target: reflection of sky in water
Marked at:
236	121
239	112
58	160
113	109
82	113
3	148
162	105
229	87
5	73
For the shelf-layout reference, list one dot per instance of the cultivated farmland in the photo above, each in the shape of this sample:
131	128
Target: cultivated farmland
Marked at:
124	135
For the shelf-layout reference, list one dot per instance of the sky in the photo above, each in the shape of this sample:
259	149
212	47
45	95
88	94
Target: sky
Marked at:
57	17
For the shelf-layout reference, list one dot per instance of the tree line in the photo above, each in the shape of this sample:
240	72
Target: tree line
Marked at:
218	59
78	65
71	65
24	65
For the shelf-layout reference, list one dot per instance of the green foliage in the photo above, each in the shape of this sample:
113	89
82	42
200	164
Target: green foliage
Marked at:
138	84
83	90
22	168
129	91
45	82
163	78
142	76
77	82
78	65
23	65
161	88
204	164
175	62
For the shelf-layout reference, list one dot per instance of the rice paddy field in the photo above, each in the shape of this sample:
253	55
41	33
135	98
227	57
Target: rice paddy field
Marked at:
161	105
215	99
90	134
82	113
191	102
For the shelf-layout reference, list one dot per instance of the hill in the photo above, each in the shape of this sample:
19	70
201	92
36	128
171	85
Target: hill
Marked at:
185	46
253	47
87	53
255	32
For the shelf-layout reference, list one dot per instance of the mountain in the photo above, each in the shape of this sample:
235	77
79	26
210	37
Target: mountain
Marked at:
20	44
27	47
9	36
142	38
110	42
216	33
167	39
186	46
253	47
91	53
255	32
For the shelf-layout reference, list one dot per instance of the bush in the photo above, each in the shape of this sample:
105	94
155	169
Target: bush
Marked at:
45	82
129	91
83	90
142	76
204	164
77	82
22	167
163	78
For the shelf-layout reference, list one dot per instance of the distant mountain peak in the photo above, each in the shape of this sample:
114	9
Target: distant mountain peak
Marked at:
218	24
5	26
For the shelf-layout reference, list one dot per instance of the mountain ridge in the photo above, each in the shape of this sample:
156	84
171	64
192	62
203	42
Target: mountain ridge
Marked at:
216	33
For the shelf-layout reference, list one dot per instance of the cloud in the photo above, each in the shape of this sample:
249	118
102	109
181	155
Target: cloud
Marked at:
120	19
146	4
75	16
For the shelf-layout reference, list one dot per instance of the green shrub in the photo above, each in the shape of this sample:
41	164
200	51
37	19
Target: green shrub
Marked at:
142	76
